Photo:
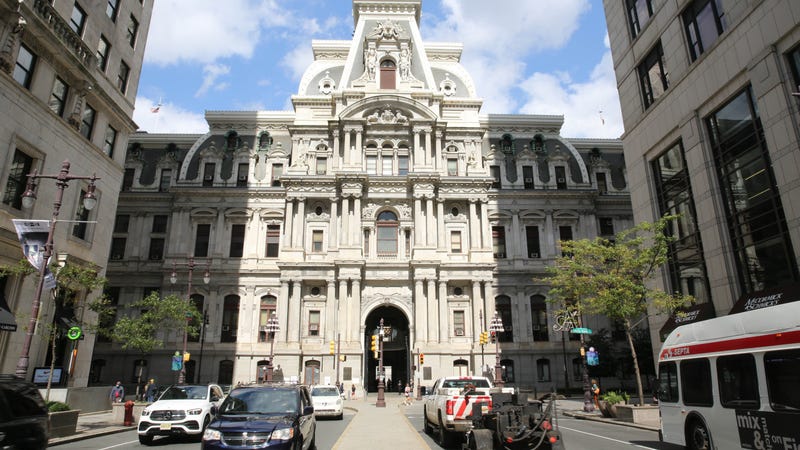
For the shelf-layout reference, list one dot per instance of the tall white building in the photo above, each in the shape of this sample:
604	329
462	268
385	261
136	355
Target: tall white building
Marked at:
385	195
69	72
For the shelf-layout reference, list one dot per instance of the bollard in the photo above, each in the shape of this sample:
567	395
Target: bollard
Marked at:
128	413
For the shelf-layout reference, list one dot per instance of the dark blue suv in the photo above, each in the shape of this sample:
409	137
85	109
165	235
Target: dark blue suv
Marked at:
275	416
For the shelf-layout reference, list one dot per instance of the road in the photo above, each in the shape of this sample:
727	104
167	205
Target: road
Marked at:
328	431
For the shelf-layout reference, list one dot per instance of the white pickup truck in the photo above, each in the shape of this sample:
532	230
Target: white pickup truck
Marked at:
449	403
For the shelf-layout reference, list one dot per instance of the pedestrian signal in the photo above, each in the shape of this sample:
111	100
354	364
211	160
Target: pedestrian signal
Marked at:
333	347
186	356
421	359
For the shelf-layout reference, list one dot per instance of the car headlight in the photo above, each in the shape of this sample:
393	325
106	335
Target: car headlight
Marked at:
145	412
212	435
283	434
194	412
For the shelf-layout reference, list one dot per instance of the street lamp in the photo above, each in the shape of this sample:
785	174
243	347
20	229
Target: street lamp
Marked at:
496	327
381	403
272	327
28	199
173	278
588	405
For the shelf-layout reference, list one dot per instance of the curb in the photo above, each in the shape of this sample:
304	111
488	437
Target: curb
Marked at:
584	416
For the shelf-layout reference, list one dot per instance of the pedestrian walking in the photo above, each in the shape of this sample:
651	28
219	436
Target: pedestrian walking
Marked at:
407	400
117	393
399	387
353	392
150	390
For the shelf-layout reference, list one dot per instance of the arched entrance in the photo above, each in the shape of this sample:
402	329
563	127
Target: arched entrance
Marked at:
396	351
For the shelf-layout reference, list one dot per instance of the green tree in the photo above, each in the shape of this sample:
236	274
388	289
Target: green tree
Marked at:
609	278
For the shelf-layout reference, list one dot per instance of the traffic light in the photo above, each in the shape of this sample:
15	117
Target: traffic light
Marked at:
484	339
374	345
333	347
421	359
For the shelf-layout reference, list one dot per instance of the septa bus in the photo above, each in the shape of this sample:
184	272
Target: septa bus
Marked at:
733	381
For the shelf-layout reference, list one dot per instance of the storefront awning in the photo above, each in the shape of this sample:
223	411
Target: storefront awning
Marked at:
7	321
694	313
766	298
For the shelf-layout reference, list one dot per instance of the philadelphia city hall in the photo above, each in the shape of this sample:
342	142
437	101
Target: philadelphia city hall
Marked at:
384	195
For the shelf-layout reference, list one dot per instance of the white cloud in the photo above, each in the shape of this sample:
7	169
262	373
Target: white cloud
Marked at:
169	119
298	59
210	74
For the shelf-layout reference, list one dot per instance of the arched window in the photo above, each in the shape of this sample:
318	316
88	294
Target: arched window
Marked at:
225	372
388	74
311	373
231	140
539	318
261	370
265	140
197	301
503	307
230	318
543	369
461	367
268	306
387	226
508	370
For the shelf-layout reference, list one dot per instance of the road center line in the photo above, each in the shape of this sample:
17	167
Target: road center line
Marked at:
607	438
119	445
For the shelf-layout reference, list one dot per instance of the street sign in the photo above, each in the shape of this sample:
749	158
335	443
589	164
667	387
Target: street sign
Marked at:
74	333
580	331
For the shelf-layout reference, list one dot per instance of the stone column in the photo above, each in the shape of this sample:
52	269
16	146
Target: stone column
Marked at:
428	150
419	160
220	237
357	231
486	230
474	226
355	310
337	161
515	250
440	223
347	151
334	224
438	159
549	245
342	322
419	231
331	316
359	148
345	221
433	323
430	226
288	223
477	308
419	312
295	312
444	328
300	223
283	312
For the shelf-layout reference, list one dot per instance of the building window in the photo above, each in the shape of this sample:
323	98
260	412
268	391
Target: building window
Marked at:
386	165
109	141
198	302
78	19
81	219
494	172
639	13
388	74
703	21
268	306
794	64
455	242
577	369
108	319
402	164
459	324
756	222
508	370
539	318
122	223
201	240
322	166
313	323
241	175
122	77
602	184
237	240
499	242
277	171
452	167
653	76
265	140
527	177
165	180
103	49
503	308
87	121
156	249
118	248
23	70
532	239
17	179
111	9
561	177
225	369
127	179
273	240
564	234
372	164
230	319
160	223
208	174
542	369
387	226
58	96
132	31
316	241
606	226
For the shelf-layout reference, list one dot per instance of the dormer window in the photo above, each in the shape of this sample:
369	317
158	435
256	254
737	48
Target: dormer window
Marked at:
388	74
231	140
265	140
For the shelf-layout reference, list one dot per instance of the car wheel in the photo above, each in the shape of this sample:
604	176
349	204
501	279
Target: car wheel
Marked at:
443	438
425	424
145	439
698	438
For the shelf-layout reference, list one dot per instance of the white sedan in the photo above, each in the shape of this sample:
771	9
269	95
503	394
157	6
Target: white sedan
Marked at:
181	410
327	401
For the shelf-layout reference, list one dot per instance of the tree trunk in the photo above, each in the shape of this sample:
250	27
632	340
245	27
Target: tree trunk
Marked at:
639	388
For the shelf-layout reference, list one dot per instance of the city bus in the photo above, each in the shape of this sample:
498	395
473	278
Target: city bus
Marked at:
733	381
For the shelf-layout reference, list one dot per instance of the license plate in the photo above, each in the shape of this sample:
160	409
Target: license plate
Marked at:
166	426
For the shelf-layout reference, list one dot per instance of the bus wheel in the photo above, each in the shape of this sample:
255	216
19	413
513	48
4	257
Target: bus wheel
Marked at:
698	438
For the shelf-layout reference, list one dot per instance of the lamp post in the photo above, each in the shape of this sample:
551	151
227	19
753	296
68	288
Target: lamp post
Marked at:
203	326
588	405
272	327
496	327
28	198
173	278
381	403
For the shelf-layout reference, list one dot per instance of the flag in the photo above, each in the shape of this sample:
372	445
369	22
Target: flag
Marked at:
602	121
33	237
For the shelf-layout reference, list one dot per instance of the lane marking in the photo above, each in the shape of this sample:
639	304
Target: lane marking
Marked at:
119	445
607	438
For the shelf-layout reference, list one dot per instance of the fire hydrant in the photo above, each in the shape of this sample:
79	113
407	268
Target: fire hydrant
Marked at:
128	413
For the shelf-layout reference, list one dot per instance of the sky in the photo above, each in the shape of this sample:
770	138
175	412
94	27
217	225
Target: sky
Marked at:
548	57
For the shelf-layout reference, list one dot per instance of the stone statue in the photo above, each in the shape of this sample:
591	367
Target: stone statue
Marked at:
405	64
371	62
387	30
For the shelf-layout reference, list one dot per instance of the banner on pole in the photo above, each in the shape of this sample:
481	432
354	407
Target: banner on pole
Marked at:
33	237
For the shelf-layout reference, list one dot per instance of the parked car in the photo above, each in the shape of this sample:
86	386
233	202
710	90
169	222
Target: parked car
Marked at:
327	402
275	416
180	410
23	415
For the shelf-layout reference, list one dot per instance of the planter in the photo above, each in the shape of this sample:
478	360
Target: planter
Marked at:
64	423
608	410
644	415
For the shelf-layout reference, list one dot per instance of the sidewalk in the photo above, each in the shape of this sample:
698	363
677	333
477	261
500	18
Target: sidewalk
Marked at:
92	425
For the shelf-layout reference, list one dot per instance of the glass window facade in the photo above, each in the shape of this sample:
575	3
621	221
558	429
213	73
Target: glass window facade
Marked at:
639	13
17	179
653	76
703	21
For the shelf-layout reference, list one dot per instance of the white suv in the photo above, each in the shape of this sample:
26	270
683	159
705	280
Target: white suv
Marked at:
181	410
